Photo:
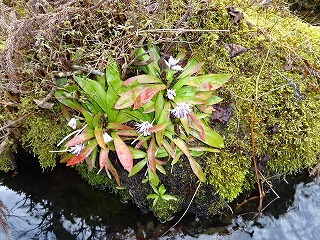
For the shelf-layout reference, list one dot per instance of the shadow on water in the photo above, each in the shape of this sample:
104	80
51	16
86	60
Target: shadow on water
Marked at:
59	205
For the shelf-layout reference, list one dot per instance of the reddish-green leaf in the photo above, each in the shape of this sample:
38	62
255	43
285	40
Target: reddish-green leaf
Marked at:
169	148
123	152
198	124
204	149
118	126
196	168
147	94
98	133
126	100
127	133
158	127
86	135
103	156
114	172
66	158
152	155
85	152
142	79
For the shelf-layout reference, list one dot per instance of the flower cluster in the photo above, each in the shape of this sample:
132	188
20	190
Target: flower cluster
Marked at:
171	93
181	110
173	64
142	128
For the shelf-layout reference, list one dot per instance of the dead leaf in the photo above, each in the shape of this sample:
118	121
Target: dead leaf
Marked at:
222	114
234	49
235	16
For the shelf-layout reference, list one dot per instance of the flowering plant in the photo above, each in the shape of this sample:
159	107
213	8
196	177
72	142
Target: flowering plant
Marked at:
152	117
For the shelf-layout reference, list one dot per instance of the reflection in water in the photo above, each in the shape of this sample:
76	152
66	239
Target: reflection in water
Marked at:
59	205
300	222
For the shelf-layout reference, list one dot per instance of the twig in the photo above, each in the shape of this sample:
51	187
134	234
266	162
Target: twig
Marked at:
183	30
195	192
14	122
252	120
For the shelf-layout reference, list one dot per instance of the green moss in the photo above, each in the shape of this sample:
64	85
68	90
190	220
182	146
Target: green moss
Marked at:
6	158
164	210
41	136
286	128
101	181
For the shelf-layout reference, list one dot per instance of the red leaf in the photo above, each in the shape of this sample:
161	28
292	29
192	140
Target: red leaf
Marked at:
84	136
198	123
103	157
146	95
152	155
123	152
85	152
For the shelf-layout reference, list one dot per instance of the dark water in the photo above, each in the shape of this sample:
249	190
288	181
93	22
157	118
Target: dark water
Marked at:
59	205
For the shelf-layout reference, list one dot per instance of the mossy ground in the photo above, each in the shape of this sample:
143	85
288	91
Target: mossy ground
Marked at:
282	61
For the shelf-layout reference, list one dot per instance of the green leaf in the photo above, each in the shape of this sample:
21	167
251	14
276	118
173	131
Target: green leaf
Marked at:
95	91
96	120
161	169
159	105
137	153
204	149
123	152
152	196
214	79
88	117
163	118
60	95
168	197
136	168
192	67
113	76
212	138
162	190
153	177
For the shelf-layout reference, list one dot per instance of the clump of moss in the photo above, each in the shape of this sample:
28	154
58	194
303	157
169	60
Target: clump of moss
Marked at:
286	125
164	210
41	136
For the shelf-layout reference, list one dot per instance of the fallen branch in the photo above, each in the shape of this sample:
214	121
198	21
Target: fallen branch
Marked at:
252	121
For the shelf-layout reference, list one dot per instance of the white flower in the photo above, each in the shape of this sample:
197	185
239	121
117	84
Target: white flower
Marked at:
76	149
171	93
181	110
72	123
106	137
172	63
142	128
